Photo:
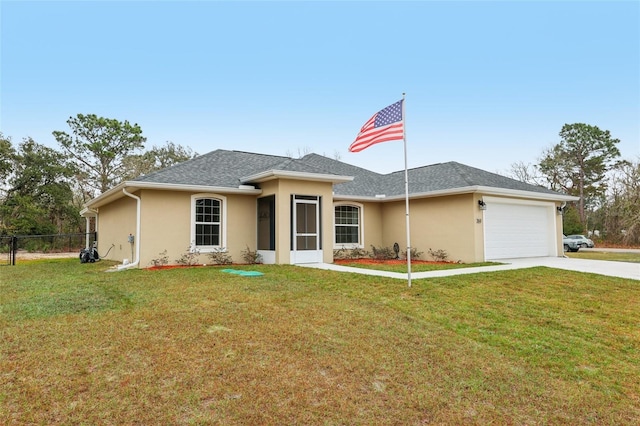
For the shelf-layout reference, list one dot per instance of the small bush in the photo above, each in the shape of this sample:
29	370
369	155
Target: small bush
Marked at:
251	257
350	253
161	260
382	253
358	253
439	255
220	257
340	253
190	258
415	254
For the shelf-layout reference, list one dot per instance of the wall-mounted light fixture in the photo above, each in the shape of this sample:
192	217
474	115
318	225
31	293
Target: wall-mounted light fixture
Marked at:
482	205
559	210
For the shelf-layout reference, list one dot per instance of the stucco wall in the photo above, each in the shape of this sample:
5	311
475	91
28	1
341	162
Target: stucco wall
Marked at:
115	222
166	225
286	188
373	223
166	222
443	223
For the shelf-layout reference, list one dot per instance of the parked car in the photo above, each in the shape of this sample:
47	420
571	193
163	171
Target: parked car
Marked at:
569	244
582	241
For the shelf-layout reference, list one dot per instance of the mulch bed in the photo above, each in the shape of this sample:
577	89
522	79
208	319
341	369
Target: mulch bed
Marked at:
363	261
367	261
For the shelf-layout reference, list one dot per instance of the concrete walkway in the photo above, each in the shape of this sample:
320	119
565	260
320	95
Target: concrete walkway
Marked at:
602	267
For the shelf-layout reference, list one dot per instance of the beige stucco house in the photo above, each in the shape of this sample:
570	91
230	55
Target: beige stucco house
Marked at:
300	210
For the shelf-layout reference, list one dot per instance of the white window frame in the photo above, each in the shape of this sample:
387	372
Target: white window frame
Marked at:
360	208
223	223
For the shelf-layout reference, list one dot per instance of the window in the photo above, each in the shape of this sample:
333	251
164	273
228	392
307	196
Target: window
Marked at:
208	229
347	219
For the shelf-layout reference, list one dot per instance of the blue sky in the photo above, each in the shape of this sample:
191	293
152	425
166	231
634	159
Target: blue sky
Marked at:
487	84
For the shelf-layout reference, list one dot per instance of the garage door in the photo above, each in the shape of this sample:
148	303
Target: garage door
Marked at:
519	229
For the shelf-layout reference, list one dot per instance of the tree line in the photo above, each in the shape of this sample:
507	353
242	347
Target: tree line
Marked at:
44	189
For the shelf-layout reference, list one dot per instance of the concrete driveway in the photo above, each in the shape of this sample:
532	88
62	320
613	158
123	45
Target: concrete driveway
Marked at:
602	267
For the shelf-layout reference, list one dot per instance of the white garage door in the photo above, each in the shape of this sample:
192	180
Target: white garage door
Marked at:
521	229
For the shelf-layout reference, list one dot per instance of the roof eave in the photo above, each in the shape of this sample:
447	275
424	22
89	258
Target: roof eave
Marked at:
487	190
116	192
287	174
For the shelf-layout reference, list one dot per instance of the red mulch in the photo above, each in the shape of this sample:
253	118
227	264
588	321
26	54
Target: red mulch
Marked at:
364	261
161	267
367	261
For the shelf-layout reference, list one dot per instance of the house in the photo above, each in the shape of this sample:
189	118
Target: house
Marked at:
299	210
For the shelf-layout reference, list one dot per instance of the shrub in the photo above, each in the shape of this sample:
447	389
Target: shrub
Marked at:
189	258
251	257
382	253
358	253
340	253
220	257
162	260
415	254
350	253
438	255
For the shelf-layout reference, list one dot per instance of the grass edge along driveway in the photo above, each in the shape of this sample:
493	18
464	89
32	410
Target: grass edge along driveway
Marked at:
197	346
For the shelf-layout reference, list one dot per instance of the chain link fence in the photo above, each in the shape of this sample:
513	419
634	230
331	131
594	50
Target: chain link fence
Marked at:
16	247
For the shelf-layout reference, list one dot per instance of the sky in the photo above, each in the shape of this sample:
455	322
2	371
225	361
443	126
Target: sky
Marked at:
487	84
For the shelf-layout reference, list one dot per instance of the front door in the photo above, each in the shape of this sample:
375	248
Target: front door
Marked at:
306	239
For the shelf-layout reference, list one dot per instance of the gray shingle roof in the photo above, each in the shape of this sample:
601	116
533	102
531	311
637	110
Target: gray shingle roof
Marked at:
218	168
222	168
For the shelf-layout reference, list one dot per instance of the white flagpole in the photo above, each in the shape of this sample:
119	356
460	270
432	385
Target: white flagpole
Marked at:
406	193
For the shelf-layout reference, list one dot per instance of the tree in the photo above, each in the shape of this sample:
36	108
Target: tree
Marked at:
39	192
98	147
525	172
7	158
622	219
155	159
579	163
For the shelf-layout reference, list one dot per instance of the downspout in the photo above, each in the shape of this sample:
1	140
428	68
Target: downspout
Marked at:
562	206
137	236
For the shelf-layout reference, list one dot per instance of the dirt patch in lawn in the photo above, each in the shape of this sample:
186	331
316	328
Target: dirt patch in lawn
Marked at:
25	255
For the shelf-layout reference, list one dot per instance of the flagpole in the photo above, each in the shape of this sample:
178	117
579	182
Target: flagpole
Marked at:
406	193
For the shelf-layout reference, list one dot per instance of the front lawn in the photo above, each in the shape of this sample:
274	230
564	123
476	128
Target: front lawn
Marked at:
401	265
606	255
307	346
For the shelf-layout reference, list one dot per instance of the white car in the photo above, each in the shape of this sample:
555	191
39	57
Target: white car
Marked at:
569	244
582	241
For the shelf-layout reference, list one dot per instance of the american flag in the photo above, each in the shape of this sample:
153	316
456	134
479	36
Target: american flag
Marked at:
385	125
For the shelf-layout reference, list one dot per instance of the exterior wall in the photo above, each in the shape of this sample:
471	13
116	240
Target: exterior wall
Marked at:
451	223
242	225
442	223
373	223
287	187
166	225
115	222
166	222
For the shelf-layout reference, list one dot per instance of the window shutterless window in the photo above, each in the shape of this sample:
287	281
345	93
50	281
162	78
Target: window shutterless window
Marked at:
347	225
208	222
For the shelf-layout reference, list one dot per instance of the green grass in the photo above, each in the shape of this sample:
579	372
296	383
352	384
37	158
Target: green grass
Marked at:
306	346
605	255
415	267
